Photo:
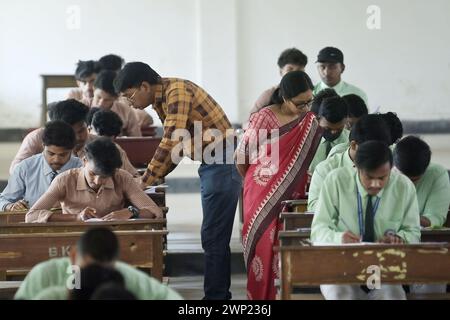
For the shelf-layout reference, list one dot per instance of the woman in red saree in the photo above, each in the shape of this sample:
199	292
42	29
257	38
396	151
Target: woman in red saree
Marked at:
274	171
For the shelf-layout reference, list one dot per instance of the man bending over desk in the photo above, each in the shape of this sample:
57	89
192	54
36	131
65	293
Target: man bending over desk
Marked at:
98	190
370	204
32	177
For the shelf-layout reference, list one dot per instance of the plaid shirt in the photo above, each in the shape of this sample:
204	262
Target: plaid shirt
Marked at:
179	103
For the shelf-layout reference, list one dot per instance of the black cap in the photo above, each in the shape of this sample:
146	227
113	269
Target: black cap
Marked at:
330	54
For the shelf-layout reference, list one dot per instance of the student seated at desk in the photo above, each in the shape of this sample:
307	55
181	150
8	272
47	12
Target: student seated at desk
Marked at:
322	95
70	111
96	246
32	177
105	123
370	204
106	98
98	190
332	118
85	75
369	127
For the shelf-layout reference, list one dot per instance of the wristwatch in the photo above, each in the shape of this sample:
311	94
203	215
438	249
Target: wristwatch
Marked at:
134	211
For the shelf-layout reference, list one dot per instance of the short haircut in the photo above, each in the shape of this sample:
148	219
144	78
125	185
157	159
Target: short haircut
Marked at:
107	123
356	106
70	111
324	94
59	133
105	156
291	85
133	74
372	154
111	62
104	81
91	113
370	127
333	109
112	291
100	244
93	277
395	126
412	156
85	69
292	56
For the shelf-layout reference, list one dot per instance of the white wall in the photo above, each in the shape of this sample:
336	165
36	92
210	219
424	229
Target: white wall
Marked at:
231	47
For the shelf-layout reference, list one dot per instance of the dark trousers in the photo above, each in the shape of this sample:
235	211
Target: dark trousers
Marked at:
220	188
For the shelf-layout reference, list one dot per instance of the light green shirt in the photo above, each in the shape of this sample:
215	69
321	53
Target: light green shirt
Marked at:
433	194
322	170
337	210
340	148
342	89
322	149
55	272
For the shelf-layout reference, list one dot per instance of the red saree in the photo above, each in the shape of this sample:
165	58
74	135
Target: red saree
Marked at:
264	190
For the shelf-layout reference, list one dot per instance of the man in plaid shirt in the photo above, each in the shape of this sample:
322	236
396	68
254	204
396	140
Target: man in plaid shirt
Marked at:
185	107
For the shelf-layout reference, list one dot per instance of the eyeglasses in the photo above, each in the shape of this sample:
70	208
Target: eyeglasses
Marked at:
304	104
131	98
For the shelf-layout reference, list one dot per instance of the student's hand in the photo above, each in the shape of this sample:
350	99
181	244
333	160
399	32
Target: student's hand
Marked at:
349	237
20	205
425	222
391	239
86	214
123	214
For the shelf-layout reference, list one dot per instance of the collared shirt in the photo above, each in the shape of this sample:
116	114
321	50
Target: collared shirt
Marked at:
321	150
55	273
322	170
31	178
77	94
342	89
179	104
433	194
144	119
337	209
73	192
129	119
339	148
33	144
263	100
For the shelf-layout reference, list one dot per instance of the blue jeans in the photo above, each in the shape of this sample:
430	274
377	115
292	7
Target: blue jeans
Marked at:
220	186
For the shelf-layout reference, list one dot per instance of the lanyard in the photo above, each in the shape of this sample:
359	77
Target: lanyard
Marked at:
360	212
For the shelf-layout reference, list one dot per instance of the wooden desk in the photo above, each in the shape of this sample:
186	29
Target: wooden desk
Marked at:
140	150
400	264
295	220
299	205
139	248
149	131
54	81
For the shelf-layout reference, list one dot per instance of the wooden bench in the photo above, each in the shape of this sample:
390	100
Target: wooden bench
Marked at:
347	264
8	289
21	252
140	150
299	205
295	220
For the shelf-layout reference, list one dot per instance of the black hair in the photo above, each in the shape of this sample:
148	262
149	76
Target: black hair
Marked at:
104	81
372	154
85	69
112	291
111	62
333	109
100	244
91	113
107	123
356	107
105	156
318	98
412	156
291	85
70	111
93	277
133	74
292	56
394	124
59	133
370	127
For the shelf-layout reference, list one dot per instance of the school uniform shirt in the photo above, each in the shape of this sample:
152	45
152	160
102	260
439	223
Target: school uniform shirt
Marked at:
31	178
321	150
77	94
337	209
131	126
322	170
73	192
342	89
340	148
33	144
48	279
433	194
263	100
